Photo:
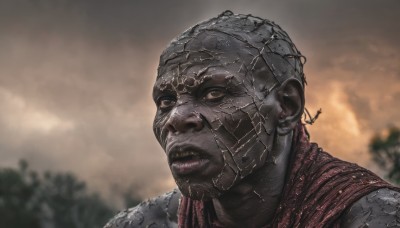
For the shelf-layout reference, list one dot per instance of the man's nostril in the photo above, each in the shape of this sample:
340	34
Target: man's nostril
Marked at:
170	127
183	123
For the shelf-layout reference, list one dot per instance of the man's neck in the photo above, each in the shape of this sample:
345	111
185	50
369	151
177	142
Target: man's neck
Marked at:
253	202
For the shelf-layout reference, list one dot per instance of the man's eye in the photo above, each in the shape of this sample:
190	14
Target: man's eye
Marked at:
166	102
214	95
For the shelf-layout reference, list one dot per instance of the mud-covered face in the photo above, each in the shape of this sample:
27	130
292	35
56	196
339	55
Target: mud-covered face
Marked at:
216	115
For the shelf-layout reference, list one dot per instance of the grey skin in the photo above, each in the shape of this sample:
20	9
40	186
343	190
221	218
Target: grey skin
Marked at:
157	212
234	98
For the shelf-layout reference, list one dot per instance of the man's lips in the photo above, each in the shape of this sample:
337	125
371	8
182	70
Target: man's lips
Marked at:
186	159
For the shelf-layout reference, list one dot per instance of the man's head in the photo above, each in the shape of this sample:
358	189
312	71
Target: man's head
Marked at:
226	90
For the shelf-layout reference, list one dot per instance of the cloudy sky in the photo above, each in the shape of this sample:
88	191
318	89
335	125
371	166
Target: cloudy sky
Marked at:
76	78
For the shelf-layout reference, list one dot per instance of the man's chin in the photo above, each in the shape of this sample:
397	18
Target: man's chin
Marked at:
195	191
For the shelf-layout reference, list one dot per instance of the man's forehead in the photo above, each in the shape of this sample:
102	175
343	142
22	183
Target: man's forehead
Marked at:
197	69
204	54
209	45
194	60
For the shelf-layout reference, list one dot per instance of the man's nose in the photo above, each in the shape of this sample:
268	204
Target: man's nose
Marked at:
184	119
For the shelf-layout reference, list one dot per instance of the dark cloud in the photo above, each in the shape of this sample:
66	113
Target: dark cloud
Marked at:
76	78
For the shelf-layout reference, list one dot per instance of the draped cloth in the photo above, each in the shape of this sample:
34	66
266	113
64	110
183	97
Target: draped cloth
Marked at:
317	191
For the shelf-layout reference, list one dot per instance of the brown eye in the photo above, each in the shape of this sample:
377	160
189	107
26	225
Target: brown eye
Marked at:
214	95
166	102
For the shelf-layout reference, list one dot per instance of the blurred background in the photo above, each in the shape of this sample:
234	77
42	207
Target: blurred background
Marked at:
76	107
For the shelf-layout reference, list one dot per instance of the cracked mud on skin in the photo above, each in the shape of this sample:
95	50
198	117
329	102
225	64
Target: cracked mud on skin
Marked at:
213	84
386	208
148	213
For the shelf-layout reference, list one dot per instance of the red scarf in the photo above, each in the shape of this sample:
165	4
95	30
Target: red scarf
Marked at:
318	190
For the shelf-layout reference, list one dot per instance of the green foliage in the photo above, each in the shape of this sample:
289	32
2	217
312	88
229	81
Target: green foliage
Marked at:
56	200
386	153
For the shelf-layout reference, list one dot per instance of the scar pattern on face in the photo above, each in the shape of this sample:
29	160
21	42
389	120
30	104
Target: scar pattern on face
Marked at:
241	126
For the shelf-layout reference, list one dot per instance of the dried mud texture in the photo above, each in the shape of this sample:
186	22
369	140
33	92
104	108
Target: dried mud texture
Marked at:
254	56
380	208
157	212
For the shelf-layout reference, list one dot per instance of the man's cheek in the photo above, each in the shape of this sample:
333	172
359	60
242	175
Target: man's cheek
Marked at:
229	174
244	137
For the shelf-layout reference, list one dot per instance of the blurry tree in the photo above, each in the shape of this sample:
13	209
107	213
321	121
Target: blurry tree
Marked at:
17	199
54	200
385	152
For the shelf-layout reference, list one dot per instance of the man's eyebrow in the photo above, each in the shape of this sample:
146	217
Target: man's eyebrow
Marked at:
218	76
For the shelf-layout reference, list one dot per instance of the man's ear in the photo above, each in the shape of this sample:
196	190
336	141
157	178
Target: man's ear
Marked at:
291	99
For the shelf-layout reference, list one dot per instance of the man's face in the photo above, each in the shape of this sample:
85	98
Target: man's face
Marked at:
214	119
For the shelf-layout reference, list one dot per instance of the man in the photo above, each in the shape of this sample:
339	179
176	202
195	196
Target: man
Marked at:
230	97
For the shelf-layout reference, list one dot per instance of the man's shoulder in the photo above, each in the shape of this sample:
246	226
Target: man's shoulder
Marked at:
380	208
158	212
